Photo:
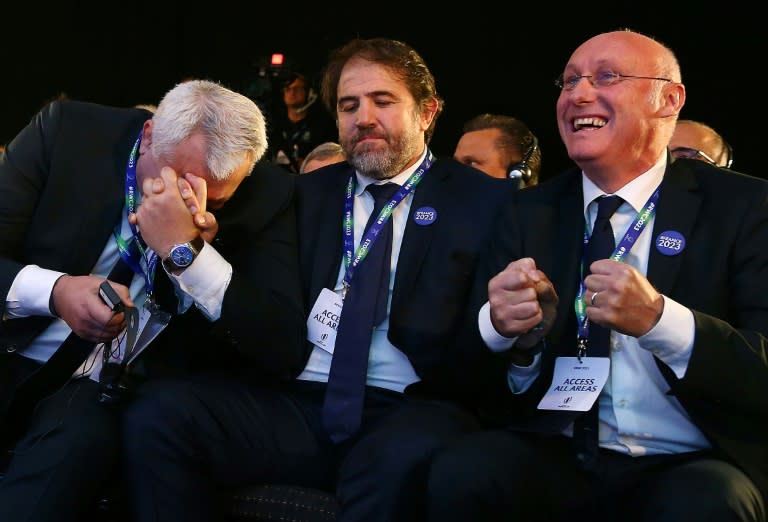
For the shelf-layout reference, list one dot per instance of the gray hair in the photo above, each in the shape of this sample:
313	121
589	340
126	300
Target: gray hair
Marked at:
323	151
231	123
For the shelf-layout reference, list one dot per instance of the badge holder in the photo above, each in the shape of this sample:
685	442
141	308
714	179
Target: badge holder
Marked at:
112	388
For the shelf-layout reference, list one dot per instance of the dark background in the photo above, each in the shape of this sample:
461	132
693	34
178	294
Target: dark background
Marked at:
485	59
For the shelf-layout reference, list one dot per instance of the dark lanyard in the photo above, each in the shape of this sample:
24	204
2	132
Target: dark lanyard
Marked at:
619	254
366	242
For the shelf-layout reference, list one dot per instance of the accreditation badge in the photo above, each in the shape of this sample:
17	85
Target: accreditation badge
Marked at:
323	320
576	383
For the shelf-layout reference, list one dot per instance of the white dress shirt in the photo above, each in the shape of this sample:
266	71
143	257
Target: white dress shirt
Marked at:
637	416
388	367
203	283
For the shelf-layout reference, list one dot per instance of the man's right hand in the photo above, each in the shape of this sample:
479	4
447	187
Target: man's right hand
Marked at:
523	303
194	191
76	300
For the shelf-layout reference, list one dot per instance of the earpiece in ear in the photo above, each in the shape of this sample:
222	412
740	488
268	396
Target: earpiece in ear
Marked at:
521	171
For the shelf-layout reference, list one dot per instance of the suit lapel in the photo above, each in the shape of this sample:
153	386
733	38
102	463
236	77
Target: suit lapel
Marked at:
106	195
417	238
329	255
677	211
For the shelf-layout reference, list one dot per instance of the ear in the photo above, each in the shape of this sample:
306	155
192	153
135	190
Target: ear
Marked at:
146	137
674	99
428	112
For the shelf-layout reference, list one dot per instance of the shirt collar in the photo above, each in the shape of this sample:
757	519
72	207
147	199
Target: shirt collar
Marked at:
363	181
636	192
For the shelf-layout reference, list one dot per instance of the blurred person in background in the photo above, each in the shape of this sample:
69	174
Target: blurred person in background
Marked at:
502	147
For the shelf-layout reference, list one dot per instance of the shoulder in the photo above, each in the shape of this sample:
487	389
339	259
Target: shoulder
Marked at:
73	109
455	171
268	181
84	126
324	179
453	178
723	185
266	191
269	174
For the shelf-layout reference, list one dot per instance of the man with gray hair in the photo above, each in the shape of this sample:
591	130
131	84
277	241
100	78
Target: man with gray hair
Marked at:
135	188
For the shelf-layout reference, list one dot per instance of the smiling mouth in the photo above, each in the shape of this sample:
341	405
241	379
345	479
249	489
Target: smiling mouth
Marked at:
588	123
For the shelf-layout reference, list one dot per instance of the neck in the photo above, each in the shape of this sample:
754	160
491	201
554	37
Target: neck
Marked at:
294	115
608	184
610	178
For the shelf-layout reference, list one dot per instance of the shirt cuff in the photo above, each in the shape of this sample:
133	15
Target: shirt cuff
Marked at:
520	378
205	282
671	339
30	292
493	339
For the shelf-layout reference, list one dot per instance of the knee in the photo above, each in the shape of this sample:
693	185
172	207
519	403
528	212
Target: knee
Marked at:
713	489
417	432
461	469
395	450
155	413
446	473
95	441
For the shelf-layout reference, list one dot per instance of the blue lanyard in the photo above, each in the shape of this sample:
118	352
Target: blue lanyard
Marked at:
366	242
619	254
134	257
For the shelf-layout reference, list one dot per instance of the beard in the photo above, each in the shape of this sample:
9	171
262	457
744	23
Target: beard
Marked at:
383	161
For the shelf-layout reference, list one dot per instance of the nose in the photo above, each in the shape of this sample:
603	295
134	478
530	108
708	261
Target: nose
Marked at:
365	115
583	91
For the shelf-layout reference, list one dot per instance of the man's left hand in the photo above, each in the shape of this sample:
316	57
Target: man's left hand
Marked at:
626	301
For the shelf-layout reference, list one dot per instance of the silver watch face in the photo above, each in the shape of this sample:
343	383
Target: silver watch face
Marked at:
182	255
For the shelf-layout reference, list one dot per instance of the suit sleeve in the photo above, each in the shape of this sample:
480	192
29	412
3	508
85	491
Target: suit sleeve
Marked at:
262	314
728	369
23	175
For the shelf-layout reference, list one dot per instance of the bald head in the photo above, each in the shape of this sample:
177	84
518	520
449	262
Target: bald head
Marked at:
618	104
638	50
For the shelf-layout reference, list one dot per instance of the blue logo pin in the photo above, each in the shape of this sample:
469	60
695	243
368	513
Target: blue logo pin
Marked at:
425	216
670	243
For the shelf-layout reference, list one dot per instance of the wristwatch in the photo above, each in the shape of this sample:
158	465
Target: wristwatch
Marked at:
182	255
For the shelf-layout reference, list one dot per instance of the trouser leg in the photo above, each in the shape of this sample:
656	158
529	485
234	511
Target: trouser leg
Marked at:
186	441
64	461
383	476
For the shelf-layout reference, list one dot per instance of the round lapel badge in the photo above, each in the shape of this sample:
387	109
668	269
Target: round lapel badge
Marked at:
670	243
425	216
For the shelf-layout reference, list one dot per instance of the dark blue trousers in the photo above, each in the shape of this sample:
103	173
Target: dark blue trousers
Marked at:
188	440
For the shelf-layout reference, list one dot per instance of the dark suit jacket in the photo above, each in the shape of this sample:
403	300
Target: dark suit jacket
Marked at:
722	275
62	184
436	262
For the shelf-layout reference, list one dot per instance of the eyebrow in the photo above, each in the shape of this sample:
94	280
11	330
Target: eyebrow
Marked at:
372	94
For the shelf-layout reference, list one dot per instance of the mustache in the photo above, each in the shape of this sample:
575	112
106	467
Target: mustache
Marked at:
367	134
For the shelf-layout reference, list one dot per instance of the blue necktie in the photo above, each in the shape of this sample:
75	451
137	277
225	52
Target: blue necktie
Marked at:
601	245
365	307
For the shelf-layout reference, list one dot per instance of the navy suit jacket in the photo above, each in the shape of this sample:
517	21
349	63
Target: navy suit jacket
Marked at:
436	264
62	190
721	275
